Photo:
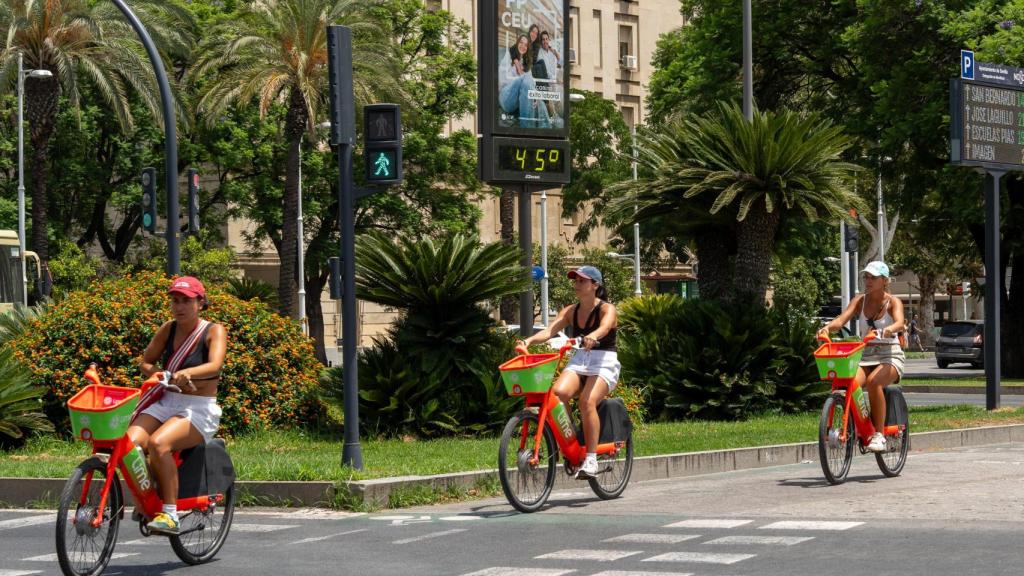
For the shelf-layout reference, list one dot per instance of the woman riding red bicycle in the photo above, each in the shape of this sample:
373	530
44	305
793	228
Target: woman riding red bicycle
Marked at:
192	350
883	360
592	372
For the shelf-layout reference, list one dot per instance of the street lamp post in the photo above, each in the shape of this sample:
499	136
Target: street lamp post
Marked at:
301	241
42	73
635	258
636	226
748	62
881	219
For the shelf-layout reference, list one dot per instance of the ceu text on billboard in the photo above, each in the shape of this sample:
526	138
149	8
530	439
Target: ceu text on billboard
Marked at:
531	66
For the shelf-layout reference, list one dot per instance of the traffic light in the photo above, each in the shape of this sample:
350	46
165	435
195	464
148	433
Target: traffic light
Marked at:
851	243
193	201
382	132
149	200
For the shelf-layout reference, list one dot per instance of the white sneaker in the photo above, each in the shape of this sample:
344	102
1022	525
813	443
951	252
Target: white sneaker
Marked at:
587	470
877	443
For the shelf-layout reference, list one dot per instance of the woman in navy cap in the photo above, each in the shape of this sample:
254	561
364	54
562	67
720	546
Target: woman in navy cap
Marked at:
192	350
883	359
592	372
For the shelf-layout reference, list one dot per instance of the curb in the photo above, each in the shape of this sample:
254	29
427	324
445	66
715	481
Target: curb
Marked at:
22	492
1005	390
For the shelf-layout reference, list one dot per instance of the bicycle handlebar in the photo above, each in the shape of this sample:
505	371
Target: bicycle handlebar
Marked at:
871	335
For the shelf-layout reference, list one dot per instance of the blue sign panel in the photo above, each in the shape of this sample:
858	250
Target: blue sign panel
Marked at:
537	273
967	64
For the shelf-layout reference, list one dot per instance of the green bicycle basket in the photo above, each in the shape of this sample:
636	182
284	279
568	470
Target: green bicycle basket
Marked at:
529	373
102	412
838	359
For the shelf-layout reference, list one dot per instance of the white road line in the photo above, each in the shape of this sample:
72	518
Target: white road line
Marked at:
598	555
708	523
28	521
700	557
19	572
810	525
85	556
305	514
261	527
653	538
633	573
319	538
509	571
390	518
430	535
460	518
142	542
766	540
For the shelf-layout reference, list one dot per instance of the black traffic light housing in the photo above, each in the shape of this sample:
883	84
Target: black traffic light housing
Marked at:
193	201
382	134
851	242
149	200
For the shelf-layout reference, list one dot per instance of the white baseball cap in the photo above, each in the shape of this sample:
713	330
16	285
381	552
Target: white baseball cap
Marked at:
877	268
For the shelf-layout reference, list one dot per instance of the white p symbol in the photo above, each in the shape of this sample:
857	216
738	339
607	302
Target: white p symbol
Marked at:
967	63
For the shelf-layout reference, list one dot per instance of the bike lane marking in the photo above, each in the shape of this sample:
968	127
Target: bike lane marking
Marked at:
634	573
510	571
598	555
14	523
699	557
430	535
86	556
765	540
261	527
19	572
320	538
810	525
653	538
708	523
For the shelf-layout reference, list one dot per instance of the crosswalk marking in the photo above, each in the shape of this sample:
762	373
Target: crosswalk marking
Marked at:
700	557
653	538
508	571
708	523
19	572
767	540
634	573
303	514
261	527
27	521
598	555
320	538
429	535
810	525
459	518
83	556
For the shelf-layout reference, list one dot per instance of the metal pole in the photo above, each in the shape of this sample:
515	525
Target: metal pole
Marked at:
844	266
21	179
170	138
881	219
993	291
748	63
854	285
351	452
526	245
301	257
544	257
636	226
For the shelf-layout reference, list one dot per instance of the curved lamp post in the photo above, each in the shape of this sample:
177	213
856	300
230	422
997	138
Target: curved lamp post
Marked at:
22	73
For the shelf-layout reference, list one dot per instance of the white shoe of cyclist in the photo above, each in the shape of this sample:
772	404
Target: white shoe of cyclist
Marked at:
877	443
588	469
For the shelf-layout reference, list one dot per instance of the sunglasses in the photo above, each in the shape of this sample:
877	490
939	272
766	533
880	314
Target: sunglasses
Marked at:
870	276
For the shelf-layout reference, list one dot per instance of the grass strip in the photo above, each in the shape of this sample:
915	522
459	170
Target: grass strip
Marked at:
295	455
969	381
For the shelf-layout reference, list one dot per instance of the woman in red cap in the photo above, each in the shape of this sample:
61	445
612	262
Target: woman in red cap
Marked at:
192	350
592	372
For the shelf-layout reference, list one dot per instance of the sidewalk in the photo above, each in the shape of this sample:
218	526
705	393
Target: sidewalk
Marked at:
44	492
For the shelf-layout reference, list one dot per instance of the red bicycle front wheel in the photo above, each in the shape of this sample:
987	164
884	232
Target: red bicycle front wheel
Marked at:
527	484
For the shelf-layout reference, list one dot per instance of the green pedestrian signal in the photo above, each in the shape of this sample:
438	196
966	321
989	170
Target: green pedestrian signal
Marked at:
382	131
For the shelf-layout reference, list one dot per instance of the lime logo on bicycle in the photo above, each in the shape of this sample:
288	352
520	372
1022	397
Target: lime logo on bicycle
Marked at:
564	424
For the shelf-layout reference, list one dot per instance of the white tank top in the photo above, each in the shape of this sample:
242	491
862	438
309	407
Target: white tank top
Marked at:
884	322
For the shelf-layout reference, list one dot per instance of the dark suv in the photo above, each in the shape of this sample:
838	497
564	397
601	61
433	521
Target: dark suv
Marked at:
960	341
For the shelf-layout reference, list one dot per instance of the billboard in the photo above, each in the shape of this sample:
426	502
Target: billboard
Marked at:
524	69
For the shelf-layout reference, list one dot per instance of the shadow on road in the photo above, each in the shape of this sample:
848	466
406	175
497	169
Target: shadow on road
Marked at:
822	483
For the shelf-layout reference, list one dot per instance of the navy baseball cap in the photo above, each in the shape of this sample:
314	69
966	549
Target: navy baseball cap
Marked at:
588	272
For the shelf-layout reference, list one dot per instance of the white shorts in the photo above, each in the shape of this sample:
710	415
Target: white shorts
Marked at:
601	363
202	411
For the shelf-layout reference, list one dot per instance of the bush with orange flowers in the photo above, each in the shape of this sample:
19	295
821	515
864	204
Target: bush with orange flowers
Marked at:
269	377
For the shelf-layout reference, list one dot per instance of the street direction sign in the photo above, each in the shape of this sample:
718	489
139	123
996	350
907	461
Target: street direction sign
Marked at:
987	124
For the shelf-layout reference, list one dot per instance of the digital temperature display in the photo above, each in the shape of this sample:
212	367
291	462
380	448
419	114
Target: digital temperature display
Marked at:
525	160
514	158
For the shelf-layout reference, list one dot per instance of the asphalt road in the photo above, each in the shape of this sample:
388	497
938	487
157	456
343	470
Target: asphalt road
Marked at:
941	399
926	368
956	512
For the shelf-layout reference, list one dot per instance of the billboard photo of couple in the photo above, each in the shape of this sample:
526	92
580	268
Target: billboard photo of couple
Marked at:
531	60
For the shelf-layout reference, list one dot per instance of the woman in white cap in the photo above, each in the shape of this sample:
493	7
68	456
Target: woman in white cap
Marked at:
883	360
592	372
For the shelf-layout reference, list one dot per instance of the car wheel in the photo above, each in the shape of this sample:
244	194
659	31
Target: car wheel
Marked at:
977	365
942	363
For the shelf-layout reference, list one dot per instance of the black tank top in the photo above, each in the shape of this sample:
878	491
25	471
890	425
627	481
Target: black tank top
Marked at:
593	321
200	354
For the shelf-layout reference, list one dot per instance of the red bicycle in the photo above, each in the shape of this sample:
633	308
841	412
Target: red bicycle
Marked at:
532	439
92	503
846	415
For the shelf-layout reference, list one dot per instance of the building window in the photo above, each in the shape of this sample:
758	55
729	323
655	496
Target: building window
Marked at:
627	51
599	62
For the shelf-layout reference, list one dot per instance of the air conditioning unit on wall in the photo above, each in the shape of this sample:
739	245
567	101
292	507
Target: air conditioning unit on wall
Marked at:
572	55
629	62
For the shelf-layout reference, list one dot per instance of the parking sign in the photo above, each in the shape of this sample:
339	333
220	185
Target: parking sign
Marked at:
967	64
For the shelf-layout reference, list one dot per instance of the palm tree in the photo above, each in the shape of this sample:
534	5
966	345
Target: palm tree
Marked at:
751	173
276	53
80	42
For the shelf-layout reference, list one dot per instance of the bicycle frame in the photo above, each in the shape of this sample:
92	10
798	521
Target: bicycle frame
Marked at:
863	427
147	499
562	428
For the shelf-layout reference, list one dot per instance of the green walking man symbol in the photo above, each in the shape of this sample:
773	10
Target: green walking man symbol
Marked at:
383	165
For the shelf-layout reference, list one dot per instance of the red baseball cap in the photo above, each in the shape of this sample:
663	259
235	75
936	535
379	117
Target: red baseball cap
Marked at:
189	286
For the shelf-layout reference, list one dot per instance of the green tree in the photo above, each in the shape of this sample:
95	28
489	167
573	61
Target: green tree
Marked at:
81	43
275	52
